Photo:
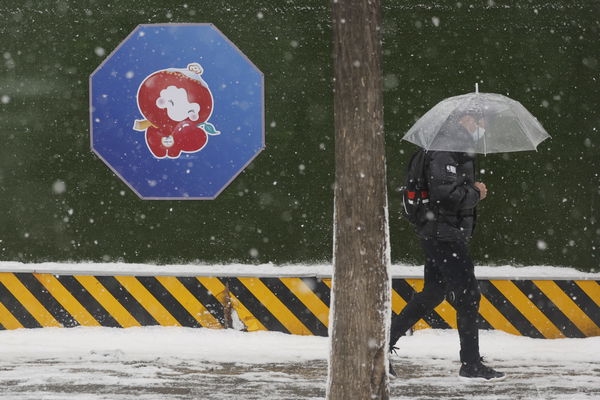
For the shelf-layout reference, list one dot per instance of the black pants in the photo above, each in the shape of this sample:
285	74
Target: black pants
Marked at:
450	275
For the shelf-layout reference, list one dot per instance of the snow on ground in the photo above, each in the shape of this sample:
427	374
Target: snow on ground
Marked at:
148	343
244	270
159	363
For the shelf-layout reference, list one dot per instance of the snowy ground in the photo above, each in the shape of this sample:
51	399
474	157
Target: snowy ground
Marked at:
157	363
293	270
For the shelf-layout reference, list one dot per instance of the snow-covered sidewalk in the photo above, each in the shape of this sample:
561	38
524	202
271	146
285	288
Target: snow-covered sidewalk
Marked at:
273	270
157	363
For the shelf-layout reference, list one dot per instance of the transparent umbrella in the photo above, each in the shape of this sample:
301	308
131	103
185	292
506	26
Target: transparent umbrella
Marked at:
477	123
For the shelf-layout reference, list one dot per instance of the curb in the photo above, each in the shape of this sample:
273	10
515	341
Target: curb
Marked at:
298	305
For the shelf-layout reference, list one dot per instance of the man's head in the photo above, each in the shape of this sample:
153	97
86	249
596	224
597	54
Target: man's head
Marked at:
471	121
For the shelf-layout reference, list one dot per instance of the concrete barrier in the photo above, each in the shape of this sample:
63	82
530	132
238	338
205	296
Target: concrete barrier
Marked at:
287	302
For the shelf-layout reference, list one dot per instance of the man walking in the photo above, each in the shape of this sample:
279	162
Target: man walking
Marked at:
449	271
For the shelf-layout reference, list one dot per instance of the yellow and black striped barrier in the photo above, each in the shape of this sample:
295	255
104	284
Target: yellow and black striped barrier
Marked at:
297	305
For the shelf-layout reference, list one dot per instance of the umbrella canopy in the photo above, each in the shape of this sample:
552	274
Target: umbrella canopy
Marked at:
477	123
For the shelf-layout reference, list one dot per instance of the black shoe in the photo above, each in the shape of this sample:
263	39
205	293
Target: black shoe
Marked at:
391	371
477	371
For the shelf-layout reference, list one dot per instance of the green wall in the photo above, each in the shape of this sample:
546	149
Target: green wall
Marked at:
60	202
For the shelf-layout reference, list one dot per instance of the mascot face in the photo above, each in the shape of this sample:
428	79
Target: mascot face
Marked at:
176	104
175	101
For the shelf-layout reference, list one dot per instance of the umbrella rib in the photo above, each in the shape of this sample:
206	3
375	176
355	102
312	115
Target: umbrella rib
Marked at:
446	120
434	136
483	117
518	118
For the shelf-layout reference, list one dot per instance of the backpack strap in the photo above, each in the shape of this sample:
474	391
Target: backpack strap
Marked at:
423	180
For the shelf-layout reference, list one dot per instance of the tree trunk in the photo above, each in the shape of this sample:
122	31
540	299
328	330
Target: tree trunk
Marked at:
360	312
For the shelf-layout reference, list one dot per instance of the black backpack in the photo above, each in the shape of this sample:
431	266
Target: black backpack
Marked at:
415	194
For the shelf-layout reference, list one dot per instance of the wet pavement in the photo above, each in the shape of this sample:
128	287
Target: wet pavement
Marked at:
109	377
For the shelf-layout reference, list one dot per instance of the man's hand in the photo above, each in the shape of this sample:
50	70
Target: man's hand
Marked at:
482	189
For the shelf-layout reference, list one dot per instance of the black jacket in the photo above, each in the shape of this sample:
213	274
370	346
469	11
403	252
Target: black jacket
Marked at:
453	197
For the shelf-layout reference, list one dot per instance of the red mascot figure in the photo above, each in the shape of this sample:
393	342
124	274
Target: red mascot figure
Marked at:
176	104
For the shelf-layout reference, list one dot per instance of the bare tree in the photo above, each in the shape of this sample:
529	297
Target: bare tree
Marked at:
360	310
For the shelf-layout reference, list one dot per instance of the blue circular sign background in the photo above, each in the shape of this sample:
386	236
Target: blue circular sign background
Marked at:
237	88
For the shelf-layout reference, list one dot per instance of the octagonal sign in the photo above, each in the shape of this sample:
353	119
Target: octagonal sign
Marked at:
177	111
